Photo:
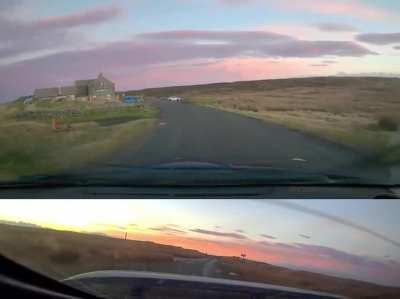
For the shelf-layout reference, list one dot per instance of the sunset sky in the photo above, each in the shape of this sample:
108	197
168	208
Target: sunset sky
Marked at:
357	239
140	43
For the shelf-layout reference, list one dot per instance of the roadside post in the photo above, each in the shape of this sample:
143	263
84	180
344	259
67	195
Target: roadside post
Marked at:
55	124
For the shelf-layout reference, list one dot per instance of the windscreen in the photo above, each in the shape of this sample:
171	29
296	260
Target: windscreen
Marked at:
202	98
119	88
209	248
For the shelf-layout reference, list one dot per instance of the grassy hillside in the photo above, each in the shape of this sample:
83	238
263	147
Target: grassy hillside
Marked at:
363	113
261	272
60	254
86	133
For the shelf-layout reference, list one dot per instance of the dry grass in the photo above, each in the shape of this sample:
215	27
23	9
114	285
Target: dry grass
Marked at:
261	272
61	254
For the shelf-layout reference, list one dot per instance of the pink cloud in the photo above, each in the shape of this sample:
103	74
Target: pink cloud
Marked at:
233	69
352	8
314	258
256	68
379	38
181	73
334	27
243	55
13	29
88	17
19	37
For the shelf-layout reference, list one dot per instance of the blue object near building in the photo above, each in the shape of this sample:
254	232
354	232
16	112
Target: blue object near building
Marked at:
131	100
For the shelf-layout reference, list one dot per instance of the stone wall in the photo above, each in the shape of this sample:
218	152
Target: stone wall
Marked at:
44	93
68	90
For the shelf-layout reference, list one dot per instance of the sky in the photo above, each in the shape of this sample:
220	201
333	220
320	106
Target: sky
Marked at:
140	44
356	239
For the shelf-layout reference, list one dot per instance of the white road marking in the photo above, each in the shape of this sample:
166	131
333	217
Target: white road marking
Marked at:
299	159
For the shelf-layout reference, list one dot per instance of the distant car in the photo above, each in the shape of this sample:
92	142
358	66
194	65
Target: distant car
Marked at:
175	99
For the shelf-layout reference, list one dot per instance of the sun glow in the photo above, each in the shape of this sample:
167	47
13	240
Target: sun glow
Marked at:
61	214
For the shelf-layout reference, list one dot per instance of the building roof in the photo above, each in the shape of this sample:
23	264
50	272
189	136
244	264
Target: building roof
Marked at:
100	78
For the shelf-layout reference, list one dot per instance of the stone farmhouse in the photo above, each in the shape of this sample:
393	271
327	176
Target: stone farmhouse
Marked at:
99	89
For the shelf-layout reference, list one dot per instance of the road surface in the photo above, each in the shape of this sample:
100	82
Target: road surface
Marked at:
195	266
187	132
203	266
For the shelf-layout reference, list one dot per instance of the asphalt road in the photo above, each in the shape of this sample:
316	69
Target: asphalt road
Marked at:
187	132
195	266
204	266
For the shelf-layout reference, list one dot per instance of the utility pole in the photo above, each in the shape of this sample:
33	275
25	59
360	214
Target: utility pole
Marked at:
126	235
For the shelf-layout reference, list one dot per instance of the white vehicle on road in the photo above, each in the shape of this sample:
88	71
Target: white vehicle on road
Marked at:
175	99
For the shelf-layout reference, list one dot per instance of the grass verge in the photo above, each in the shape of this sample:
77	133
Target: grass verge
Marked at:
30	146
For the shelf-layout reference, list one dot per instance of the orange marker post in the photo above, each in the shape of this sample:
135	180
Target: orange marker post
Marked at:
55	124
